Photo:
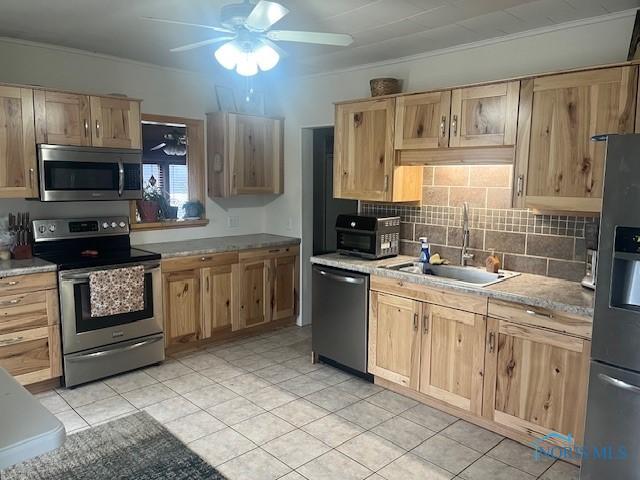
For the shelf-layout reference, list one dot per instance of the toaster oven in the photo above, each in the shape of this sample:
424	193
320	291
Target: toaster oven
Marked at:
367	236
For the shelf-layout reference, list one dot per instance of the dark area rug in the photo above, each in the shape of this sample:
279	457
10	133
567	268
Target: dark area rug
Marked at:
134	447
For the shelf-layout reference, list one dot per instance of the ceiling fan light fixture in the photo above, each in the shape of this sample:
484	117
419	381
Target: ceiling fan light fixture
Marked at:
247	65
228	55
266	57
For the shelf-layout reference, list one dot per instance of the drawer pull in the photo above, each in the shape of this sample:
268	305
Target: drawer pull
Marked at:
415	322
10	341
15	301
275	250
537	314
492	342
12	283
425	324
204	259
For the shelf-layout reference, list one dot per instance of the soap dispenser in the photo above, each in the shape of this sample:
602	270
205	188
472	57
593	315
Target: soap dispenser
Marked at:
424	250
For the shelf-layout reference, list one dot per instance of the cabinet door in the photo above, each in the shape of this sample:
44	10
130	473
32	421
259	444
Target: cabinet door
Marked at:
32	355
452	365
115	122
17	144
363	150
484	116
536	380
218	299
285	282
422	121
394	338
255	152
62	118
565	168
181	306
255	293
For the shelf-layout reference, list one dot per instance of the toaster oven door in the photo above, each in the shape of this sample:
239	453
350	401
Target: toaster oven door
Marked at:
358	243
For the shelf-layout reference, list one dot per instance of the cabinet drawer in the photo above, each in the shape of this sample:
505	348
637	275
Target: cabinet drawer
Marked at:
27	283
199	261
28	310
32	355
541	317
264	253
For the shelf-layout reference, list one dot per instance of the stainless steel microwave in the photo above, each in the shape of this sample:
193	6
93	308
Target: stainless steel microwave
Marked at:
368	237
68	173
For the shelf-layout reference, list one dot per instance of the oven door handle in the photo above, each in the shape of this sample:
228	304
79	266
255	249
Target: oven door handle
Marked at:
120	177
107	353
85	275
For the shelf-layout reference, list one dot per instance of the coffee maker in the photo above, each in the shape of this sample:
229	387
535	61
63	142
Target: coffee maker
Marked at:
591	231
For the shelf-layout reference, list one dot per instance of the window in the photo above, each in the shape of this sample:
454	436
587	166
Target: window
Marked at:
173	173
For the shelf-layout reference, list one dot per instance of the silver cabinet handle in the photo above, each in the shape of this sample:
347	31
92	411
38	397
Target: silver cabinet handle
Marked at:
204	259
537	314
97	128
415	322
15	301
12	283
520	185
492	342
31	175
120	177
425	324
454	125
386	183
443	126
618	383
341	278
86	128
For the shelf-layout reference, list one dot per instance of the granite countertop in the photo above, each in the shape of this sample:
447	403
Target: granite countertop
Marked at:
526	289
204	246
10	268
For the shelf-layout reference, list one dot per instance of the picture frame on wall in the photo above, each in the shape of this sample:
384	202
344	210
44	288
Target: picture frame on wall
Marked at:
251	102
226	99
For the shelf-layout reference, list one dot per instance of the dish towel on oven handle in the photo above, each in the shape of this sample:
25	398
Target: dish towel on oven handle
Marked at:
116	291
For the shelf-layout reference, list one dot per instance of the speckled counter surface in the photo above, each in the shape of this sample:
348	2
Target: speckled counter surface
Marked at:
10	268
204	246
526	289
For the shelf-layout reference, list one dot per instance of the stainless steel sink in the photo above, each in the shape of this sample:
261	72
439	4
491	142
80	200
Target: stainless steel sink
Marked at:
455	274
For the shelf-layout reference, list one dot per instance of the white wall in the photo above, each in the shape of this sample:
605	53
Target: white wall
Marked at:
164	91
307	102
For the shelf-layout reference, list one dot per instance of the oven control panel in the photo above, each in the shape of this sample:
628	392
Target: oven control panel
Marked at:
44	230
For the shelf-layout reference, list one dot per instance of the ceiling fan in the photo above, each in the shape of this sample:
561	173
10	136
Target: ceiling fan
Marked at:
174	143
246	29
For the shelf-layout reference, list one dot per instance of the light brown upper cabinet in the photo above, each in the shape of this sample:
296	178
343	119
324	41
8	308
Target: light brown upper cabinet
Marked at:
422	120
484	116
115	122
72	119
245	155
364	156
559	167
62	118
17	144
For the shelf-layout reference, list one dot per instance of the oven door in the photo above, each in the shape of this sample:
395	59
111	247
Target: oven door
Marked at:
357	243
86	173
81	331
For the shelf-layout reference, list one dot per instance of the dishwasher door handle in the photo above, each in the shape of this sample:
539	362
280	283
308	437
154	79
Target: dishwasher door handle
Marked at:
341	278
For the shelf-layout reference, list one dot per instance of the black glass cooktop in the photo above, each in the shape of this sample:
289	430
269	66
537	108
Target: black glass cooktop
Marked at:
94	252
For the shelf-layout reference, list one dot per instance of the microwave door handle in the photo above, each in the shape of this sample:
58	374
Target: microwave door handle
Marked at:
120	177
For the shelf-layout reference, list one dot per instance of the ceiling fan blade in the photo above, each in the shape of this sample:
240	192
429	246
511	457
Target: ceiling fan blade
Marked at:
264	15
177	22
203	43
158	147
338	39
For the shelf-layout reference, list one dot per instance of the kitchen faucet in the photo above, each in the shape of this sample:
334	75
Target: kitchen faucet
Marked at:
465	256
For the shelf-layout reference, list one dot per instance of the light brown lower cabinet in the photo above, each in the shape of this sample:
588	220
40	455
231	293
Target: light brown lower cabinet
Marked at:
523	379
30	328
206	297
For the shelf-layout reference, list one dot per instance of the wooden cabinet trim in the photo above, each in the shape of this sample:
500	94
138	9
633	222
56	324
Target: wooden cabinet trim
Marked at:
566	342
265	253
198	261
27	283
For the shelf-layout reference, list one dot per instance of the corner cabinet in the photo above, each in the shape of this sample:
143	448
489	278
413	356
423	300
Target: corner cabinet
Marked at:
17	144
245	155
74	119
559	167
364	162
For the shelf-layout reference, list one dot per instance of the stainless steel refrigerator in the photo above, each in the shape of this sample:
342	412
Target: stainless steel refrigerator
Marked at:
612	432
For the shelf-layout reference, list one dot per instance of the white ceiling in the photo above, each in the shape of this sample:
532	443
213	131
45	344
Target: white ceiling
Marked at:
383	29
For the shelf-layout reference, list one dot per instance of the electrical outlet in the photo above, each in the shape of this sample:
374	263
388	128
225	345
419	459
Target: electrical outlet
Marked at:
234	221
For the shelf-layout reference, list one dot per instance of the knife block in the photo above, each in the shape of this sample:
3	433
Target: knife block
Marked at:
22	252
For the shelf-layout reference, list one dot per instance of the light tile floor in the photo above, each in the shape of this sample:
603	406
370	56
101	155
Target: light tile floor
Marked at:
257	409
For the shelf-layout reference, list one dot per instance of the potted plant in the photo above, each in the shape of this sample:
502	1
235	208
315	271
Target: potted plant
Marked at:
149	205
193	209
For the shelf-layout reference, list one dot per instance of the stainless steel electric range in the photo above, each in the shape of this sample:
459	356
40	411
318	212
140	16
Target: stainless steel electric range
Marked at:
97	347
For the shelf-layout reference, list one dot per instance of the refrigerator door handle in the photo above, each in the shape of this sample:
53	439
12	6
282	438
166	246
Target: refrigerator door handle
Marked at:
618	383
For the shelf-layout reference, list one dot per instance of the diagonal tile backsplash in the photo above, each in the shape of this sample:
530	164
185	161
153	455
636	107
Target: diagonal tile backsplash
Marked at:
550	245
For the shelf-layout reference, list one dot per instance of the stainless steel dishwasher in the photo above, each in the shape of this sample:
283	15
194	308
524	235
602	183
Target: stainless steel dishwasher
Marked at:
340	311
